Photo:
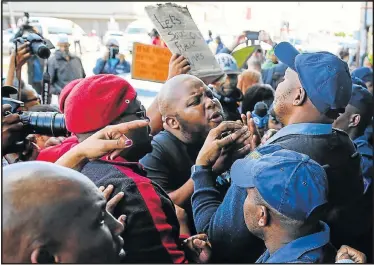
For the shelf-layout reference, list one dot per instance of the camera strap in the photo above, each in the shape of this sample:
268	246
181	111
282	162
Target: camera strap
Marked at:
18	73
46	96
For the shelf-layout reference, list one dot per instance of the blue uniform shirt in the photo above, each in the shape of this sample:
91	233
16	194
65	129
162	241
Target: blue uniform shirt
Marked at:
366	152
302	128
307	249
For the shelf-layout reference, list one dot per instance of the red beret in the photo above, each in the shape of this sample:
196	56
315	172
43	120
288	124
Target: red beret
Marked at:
96	101
65	92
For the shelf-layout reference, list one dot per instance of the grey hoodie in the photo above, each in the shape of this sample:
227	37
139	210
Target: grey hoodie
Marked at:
63	72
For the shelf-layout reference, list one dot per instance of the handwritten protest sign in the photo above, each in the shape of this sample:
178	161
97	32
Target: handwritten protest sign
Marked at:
242	55
177	28
150	63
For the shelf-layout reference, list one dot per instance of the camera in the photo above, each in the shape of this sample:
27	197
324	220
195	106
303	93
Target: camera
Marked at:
38	45
45	123
113	51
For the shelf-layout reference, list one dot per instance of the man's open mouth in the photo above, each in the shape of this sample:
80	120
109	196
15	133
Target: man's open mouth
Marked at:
216	117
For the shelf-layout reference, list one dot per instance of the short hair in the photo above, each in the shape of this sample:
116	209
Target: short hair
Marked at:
257	93
288	223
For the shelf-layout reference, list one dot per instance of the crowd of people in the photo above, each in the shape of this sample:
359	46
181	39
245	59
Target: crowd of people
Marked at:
269	163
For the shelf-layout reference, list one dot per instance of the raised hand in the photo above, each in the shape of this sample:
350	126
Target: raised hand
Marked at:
178	65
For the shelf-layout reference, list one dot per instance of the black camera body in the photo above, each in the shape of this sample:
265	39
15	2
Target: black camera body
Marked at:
38	45
44	123
113	51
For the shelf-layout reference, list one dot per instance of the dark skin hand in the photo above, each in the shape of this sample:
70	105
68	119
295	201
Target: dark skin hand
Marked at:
197	248
12	129
255	135
346	252
215	143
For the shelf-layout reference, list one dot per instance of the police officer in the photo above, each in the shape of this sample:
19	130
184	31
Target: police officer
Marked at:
357	116
286	193
317	87
226	89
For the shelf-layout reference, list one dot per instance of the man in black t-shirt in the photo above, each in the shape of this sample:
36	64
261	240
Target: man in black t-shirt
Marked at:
189	111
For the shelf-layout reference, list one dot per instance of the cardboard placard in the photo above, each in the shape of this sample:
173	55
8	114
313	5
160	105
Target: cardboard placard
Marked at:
241	56
177	28
150	62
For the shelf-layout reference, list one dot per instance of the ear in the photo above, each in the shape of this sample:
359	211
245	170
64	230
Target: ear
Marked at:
300	97
41	255
172	122
263	213
354	120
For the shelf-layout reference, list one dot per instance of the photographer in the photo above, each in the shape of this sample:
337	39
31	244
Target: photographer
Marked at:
12	134
112	62
63	66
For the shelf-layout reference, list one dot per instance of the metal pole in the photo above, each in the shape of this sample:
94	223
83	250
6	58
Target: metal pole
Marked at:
364	35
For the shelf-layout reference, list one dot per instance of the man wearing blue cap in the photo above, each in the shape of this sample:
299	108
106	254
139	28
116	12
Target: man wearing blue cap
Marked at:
112	62
366	75
63	66
226	90
286	195
317	87
357	116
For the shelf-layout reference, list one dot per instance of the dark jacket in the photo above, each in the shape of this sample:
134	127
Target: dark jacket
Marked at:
103	67
223	221
63	72
152	228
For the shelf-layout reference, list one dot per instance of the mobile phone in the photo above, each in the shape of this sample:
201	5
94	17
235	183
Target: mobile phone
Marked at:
252	35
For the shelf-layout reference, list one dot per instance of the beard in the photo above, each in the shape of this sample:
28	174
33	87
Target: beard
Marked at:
193	134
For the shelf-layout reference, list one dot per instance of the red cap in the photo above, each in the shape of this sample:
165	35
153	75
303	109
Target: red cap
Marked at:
95	102
65	92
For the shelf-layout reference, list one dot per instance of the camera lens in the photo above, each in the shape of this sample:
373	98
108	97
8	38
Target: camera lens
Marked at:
45	123
42	51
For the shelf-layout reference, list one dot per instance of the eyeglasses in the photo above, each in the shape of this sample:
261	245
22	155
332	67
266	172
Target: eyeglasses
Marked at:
33	99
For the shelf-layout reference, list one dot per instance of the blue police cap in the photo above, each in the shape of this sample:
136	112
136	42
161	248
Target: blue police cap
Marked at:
358	81
361	98
364	73
323	75
227	63
291	183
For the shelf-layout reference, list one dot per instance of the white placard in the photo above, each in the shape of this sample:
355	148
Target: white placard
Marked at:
177	28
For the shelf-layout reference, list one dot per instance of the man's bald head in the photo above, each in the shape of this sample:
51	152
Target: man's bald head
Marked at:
173	89
38	206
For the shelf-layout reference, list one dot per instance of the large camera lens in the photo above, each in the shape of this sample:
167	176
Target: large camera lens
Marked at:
45	123
40	50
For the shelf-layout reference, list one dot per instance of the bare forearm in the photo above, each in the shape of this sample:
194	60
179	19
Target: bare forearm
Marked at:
10	76
184	193
72	159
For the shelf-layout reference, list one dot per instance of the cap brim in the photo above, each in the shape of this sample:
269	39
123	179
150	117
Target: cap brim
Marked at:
239	176
9	90
286	53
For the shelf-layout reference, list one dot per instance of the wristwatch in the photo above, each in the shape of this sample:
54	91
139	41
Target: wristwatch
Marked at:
196	168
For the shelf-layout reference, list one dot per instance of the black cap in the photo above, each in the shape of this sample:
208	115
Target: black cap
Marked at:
6	91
